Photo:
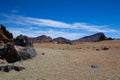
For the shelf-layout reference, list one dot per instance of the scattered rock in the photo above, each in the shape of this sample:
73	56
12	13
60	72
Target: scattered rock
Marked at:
18	68
95	66
43	53
97	49
78	48
10	67
105	48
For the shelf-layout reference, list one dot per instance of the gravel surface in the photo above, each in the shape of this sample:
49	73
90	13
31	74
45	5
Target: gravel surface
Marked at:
69	62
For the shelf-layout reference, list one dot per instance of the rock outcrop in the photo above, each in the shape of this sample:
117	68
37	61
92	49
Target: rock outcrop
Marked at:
18	49
5	35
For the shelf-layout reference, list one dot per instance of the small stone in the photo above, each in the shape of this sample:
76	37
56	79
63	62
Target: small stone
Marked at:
2	62
95	66
97	49
105	48
18	68
43	53
8	68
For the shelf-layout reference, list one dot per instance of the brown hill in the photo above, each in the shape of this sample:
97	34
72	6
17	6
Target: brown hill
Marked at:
62	40
42	38
92	38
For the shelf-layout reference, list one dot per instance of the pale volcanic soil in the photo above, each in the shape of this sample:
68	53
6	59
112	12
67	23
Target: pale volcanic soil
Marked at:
70	62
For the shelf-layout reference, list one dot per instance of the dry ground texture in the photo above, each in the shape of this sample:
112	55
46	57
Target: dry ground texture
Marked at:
70	62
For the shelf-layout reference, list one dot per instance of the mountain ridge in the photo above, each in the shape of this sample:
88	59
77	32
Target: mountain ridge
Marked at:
100	36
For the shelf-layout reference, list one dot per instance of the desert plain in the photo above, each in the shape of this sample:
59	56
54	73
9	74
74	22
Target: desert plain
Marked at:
70	62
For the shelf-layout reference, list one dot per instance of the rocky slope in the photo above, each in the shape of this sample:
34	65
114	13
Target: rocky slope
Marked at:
5	35
92	38
62	40
42	38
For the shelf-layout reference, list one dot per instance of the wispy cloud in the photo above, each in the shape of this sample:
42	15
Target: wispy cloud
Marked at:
29	21
51	32
36	27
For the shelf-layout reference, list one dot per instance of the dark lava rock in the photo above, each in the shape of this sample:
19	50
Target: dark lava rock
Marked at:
25	47
10	67
13	50
22	41
13	53
10	53
1	68
18	68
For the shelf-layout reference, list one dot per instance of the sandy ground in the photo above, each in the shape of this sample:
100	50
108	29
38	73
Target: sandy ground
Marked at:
70	62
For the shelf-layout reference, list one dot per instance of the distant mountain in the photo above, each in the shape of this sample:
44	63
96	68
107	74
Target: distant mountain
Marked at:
42	38
62	40
116	38
92	38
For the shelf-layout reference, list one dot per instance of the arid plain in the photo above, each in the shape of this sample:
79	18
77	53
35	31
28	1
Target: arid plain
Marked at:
70	62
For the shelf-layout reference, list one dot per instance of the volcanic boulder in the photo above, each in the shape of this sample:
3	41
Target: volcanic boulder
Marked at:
20	49
13	50
24	47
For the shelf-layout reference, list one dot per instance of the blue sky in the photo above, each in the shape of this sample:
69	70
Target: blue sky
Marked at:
71	19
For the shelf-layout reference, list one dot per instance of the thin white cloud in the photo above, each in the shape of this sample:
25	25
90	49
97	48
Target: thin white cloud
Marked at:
29	21
51	33
94	28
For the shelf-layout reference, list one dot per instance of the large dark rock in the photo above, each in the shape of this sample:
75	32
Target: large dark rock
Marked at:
10	53
21	49
13	50
24	45
22	41
92	38
8	68
62	40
